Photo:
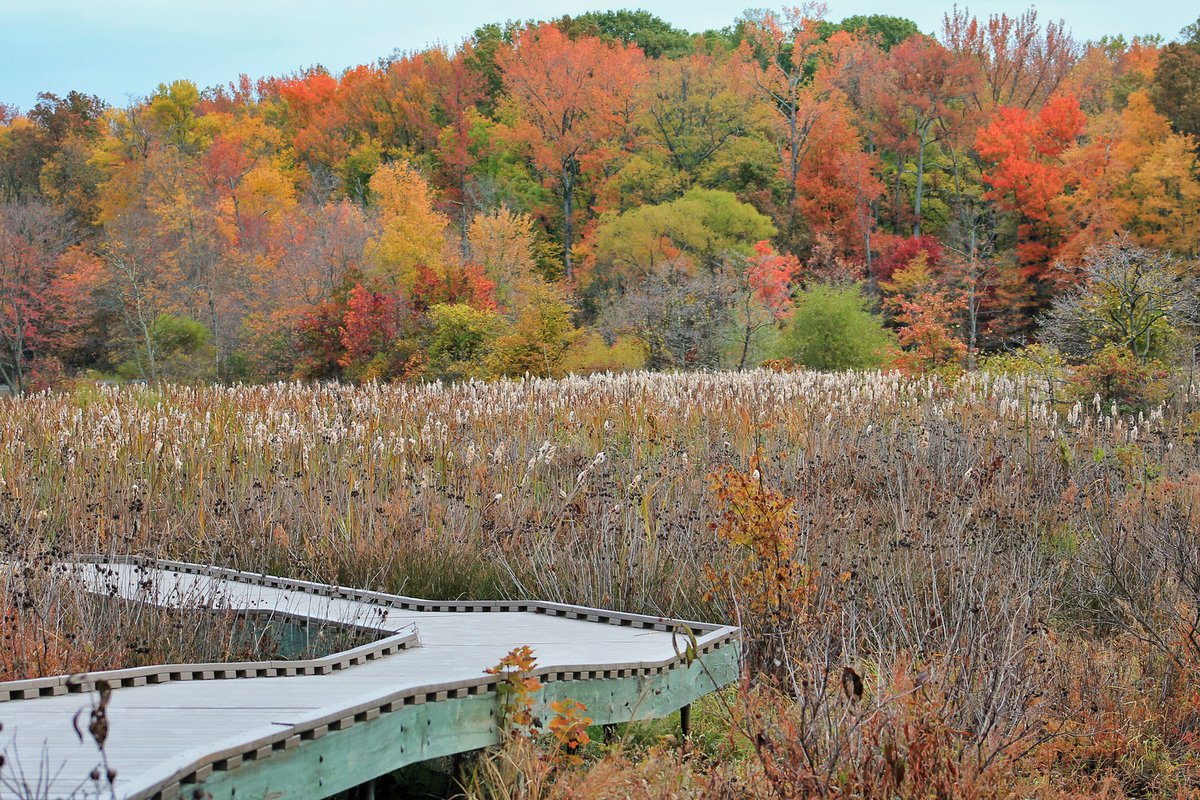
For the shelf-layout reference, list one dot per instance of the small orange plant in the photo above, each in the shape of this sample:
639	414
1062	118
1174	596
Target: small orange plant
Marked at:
516	691
771	587
569	728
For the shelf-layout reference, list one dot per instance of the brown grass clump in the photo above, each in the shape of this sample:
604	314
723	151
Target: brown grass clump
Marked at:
949	588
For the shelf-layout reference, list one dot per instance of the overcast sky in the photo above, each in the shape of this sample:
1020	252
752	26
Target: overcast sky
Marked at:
122	49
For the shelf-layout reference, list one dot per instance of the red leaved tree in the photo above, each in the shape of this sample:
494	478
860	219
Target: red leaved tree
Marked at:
760	294
923	102
41	290
1027	176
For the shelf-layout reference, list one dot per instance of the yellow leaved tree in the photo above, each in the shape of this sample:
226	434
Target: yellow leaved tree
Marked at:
502	242
411	243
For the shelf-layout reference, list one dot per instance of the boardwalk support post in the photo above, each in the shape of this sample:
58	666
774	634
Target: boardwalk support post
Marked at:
610	733
685	721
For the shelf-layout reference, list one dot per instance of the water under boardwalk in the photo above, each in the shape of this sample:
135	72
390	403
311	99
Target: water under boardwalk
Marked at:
315	727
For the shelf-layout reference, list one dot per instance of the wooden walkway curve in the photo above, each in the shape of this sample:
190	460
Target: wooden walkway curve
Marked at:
310	729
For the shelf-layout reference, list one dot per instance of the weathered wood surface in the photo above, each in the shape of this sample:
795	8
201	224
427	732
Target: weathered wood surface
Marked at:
246	730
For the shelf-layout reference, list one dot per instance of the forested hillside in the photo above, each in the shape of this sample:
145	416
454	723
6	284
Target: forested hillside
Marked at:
608	192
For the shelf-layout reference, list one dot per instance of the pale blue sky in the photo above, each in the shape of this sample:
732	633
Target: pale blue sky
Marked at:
121	49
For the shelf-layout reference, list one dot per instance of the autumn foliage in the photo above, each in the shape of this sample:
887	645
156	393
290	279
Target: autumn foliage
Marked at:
1027	177
961	546
617	191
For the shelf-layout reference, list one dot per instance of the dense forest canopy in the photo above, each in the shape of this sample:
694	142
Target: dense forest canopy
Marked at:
608	191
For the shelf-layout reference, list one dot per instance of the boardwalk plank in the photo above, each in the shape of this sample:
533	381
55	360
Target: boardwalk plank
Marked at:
331	731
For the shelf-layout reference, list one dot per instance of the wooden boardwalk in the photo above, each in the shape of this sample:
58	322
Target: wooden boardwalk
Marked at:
309	729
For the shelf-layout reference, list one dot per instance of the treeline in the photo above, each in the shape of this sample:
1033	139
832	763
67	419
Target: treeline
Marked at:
610	192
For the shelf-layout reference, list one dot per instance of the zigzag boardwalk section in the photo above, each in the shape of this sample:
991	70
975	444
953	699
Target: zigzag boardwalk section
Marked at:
310	729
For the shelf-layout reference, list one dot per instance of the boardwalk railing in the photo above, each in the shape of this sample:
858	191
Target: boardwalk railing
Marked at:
315	727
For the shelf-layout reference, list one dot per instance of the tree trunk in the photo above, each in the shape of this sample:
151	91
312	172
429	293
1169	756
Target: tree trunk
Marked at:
749	331
216	334
16	379
151	361
868	229
793	175
569	169
920	181
973	303
464	239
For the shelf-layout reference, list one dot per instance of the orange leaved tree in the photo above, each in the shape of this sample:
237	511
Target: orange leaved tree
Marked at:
1027	176
568	97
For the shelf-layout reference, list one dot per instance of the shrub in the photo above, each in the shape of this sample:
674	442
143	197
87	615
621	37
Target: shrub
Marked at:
1134	298
461	336
832	329
182	351
681	320
593	354
1032	361
1115	375
541	337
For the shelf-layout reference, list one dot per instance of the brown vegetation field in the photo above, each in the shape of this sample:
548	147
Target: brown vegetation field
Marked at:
948	589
